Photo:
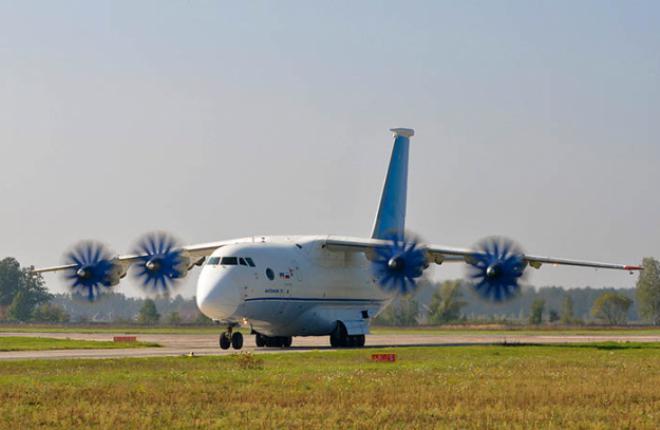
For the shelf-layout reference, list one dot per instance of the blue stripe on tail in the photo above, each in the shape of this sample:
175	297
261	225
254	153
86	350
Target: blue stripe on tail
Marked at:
391	217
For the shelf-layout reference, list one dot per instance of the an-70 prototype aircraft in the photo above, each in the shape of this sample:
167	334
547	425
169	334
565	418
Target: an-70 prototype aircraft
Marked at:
281	287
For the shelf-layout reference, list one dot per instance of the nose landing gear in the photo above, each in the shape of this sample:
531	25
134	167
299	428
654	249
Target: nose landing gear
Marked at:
231	338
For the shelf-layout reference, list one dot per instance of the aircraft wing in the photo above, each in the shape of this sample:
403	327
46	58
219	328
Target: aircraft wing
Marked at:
439	254
196	253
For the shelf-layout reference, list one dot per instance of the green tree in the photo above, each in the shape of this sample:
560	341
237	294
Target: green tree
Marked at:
49	312
21	290
446	303
174	318
20	309
567	314
611	308
33	285
536	311
648	291
553	316
10	280
148	313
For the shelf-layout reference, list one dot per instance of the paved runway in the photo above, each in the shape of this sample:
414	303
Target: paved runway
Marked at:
205	344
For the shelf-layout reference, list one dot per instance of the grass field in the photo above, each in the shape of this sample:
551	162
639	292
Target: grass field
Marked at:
15	343
438	330
580	386
520	330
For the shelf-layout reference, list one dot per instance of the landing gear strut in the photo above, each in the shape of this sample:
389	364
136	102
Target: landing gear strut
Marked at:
231	338
274	341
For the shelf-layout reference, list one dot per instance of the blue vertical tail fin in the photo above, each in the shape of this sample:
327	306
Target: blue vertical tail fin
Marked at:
391	217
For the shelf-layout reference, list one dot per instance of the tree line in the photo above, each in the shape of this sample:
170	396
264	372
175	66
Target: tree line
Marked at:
24	298
454	301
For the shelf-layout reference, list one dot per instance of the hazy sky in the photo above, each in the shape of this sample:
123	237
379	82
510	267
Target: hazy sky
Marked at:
215	120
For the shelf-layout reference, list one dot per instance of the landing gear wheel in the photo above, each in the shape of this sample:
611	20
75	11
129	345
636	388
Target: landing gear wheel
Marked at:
225	341
260	340
275	341
339	337
237	340
340	340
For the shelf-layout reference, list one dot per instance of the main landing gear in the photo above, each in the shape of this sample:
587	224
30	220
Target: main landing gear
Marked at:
273	342
231	338
341	339
348	341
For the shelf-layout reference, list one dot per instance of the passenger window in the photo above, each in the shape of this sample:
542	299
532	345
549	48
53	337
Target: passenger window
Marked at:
229	261
270	274
242	261
249	261
213	261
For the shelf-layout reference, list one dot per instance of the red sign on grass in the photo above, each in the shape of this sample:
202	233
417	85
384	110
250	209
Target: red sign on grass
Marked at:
124	339
383	357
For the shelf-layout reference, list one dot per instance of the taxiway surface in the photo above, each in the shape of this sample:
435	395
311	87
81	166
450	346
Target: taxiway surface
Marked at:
205	344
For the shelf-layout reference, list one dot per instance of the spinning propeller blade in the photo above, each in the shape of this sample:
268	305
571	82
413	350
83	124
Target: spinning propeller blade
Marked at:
94	271
399	264
162	262
496	267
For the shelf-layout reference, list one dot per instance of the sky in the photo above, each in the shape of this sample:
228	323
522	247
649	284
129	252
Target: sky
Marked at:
537	120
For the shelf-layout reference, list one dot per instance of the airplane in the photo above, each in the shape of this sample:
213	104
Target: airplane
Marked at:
287	286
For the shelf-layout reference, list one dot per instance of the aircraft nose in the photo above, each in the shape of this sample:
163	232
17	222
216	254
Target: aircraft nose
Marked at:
217	296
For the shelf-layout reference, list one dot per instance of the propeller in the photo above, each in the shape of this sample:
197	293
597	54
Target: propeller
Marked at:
398	264
94	270
161	262
496	267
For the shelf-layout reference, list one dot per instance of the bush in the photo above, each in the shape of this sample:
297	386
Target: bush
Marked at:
611	308
174	318
49	312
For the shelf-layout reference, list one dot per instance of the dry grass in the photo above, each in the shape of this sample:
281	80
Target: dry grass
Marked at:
590	387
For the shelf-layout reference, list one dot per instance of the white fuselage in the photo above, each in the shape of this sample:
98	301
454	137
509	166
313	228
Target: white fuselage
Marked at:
289	286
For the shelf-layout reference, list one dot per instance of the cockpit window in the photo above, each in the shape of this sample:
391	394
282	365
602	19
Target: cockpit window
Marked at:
229	261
